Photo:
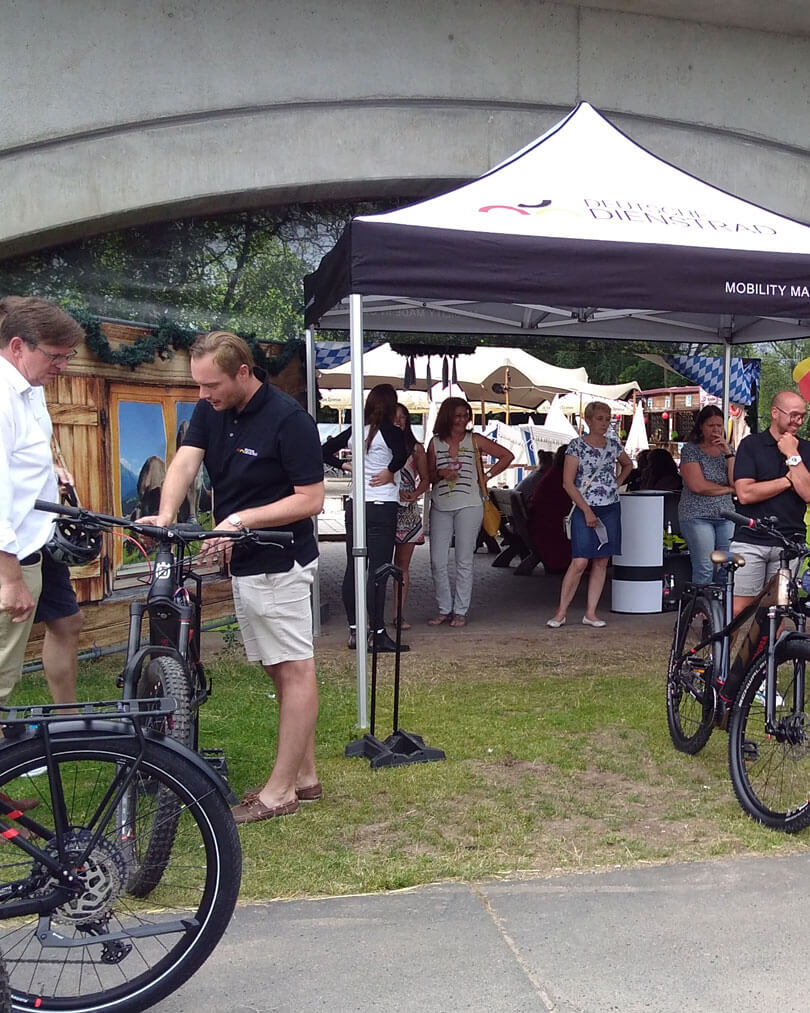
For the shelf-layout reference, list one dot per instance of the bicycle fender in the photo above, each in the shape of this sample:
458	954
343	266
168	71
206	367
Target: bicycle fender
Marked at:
82	731
132	669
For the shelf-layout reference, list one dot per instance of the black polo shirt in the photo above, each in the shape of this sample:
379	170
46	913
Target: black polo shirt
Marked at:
256	457
758	457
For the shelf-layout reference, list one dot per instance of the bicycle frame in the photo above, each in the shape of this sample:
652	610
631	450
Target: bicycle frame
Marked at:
764	615
174	625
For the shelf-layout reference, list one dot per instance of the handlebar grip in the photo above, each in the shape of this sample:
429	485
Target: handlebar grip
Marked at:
57	508
189	530
741	519
284	538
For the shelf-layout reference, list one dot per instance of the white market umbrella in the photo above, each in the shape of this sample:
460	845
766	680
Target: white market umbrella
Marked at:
575	403
414	400
529	380
637	437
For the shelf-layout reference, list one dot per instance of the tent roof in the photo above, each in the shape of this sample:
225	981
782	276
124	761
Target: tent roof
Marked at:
531	380
583	233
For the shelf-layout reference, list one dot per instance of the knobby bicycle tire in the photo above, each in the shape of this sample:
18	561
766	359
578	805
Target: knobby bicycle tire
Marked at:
162	942
770	772
150	842
690	694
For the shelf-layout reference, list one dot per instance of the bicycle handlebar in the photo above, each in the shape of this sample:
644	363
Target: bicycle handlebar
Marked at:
173	533
768	525
741	519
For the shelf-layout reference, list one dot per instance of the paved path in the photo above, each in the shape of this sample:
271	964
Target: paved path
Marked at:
714	937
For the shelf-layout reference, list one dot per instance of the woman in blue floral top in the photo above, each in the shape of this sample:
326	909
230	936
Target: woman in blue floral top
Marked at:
591	480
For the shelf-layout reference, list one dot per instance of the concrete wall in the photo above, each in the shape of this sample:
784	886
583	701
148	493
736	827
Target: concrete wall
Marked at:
123	111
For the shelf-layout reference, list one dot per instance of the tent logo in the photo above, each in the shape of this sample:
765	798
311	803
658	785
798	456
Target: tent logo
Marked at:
522	209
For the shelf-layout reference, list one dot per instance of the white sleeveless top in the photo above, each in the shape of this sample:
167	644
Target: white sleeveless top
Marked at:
378	456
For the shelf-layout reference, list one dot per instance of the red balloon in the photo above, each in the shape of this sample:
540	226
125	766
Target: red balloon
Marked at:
664	415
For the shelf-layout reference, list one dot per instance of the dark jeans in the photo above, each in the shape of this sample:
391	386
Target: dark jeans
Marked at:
381	527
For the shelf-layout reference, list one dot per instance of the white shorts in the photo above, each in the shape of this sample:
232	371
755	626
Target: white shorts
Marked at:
275	614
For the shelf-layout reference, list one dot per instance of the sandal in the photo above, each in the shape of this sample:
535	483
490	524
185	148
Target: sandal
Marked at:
458	621
439	620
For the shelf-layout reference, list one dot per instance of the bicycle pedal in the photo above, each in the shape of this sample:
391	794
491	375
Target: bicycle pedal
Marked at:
750	751
215	758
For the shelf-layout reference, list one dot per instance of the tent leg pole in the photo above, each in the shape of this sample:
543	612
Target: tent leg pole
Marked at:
312	399
726	385
359	505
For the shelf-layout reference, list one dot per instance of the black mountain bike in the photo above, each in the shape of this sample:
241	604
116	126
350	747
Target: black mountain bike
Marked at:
164	663
72	936
759	696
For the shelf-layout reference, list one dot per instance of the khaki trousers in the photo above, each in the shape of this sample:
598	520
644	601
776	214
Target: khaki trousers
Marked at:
14	636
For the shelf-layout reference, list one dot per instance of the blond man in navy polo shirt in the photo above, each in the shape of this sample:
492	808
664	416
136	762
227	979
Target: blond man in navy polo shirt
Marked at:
263	454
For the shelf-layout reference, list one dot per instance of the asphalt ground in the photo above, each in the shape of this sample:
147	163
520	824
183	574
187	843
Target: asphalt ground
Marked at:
716	937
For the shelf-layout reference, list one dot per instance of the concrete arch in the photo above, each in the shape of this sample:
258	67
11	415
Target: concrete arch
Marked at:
122	113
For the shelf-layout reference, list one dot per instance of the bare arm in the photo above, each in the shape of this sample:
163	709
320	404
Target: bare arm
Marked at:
420	461
750	491
696	481
179	476
625	467
433	474
570	466
15	598
503	456
305	501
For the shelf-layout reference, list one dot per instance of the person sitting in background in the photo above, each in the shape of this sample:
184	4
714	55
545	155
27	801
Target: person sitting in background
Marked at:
634	483
661	472
546	510
526	486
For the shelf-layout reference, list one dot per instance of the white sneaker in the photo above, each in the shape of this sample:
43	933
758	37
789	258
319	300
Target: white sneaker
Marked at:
759	697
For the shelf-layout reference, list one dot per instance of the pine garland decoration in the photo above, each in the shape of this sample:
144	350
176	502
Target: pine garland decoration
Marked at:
169	337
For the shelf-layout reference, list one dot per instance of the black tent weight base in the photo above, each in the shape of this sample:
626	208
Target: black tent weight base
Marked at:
398	749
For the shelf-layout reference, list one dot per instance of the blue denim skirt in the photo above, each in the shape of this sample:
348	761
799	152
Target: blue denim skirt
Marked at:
584	540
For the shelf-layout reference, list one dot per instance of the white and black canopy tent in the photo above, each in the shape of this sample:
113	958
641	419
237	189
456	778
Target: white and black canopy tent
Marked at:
583	233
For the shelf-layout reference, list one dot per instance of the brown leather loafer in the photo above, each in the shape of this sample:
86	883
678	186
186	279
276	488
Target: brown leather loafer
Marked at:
255	811
310	793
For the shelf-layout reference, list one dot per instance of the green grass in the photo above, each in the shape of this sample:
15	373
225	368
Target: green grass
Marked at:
552	765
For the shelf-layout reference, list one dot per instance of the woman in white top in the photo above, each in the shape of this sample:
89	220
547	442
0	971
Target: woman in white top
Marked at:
456	507
384	455
413	483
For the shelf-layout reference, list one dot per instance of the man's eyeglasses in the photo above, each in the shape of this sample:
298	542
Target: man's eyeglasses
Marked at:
793	416
57	357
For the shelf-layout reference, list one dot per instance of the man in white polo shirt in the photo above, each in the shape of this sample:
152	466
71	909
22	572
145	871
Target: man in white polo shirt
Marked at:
37	339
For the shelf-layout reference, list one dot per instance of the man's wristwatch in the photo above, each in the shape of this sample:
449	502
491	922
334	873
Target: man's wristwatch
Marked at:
793	460
236	520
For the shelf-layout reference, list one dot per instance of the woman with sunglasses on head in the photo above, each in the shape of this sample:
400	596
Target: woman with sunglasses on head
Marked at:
383	456
707	469
456	506
413	482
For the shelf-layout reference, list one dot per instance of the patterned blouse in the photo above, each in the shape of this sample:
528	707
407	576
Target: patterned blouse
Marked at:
597	466
715	469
